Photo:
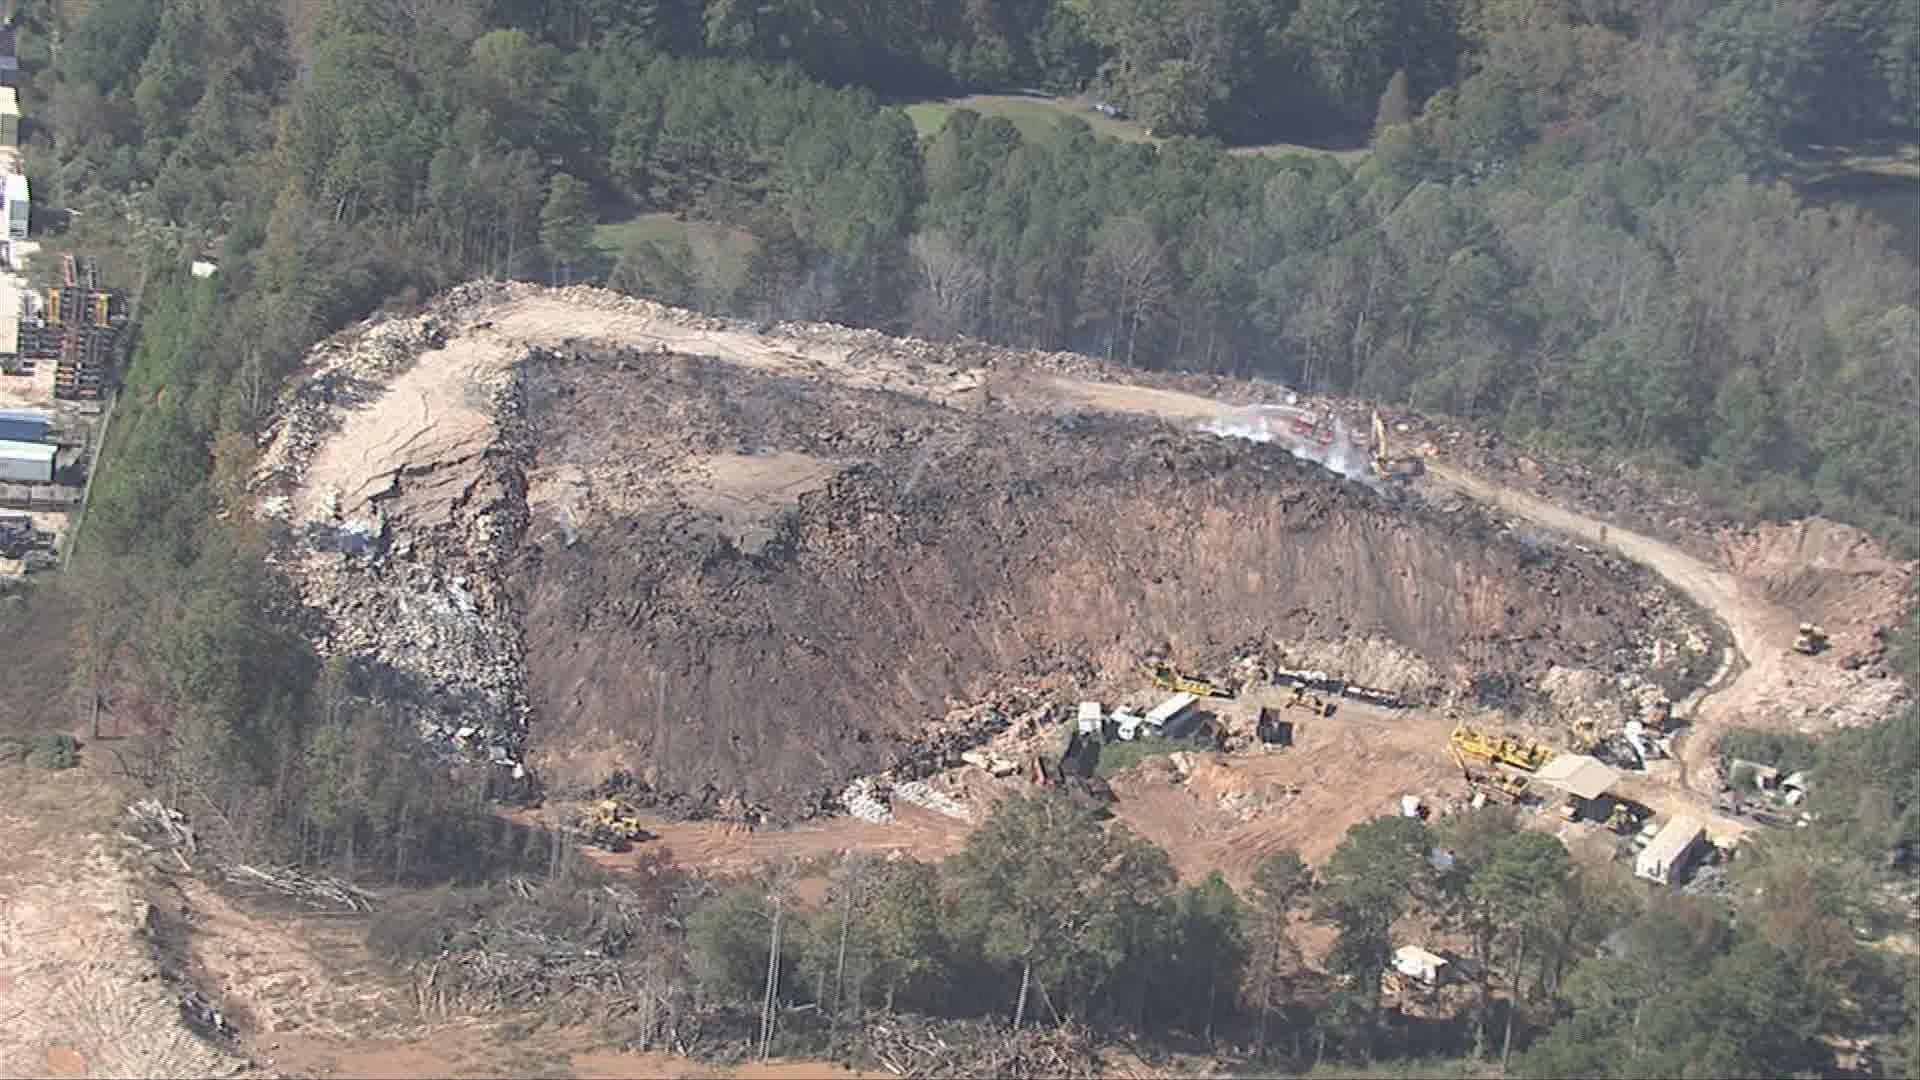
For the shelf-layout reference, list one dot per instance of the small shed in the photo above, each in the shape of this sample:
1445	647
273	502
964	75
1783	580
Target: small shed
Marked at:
1089	718
1418	964
26	462
24	426
1670	854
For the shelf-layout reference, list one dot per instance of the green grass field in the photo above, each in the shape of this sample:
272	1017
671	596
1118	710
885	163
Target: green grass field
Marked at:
721	253
1035	115
614	237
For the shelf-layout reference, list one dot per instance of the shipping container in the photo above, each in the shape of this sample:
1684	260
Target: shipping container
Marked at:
26	462
22	426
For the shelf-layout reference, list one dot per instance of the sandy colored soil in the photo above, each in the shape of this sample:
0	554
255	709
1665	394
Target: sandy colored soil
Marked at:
80	995
1231	811
495	1050
1839	576
726	848
434	418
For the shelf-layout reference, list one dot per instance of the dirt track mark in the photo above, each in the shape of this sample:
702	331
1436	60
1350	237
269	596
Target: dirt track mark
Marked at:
84	997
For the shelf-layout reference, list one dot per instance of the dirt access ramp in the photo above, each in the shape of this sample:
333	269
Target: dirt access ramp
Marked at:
1817	565
80	994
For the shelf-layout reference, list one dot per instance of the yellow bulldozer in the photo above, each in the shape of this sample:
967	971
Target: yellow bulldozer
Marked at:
611	824
1311	703
1810	641
1527	754
1385	465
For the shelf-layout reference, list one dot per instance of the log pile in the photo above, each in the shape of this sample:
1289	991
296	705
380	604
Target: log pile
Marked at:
315	891
163	823
907	1047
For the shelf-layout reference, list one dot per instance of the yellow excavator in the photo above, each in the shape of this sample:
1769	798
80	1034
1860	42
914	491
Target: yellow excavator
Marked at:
1496	784
1165	675
1385	465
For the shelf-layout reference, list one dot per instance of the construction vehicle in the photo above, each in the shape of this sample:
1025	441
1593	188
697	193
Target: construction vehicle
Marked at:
1165	675
1811	641
1627	817
1493	783
611	824
1385	465
1311	703
1525	754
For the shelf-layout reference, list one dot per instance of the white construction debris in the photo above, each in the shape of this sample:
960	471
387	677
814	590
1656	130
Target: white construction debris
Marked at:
864	800
919	793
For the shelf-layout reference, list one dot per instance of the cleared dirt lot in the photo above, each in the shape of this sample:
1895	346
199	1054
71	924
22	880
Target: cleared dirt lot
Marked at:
80	995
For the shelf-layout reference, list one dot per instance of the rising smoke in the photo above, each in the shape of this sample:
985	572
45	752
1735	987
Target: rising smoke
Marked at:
1269	424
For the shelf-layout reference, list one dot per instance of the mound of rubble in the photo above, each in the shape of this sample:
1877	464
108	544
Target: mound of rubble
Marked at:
603	536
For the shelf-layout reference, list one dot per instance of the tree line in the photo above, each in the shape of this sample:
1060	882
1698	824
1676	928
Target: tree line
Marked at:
1050	915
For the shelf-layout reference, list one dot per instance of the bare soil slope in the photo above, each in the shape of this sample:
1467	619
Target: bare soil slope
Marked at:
949	553
747	564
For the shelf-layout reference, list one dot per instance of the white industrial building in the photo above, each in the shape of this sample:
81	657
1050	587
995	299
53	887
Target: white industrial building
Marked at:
18	202
26	462
1671	853
9	116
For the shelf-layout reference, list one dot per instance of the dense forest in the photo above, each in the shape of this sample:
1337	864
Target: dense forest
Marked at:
1572	222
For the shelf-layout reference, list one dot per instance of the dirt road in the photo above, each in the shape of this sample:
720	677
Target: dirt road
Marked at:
1761	631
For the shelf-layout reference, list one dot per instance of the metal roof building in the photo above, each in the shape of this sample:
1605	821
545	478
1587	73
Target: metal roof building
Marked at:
1671	852
1579	775
24	426
26	462
9	116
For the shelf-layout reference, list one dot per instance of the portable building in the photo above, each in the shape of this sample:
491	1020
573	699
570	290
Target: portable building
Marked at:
1089	718
23	426
1417	963
26	462
1667	858
9	116
18	201
1170	710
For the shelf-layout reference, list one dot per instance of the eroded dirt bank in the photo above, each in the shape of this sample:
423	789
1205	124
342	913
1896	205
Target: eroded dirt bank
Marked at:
912	555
